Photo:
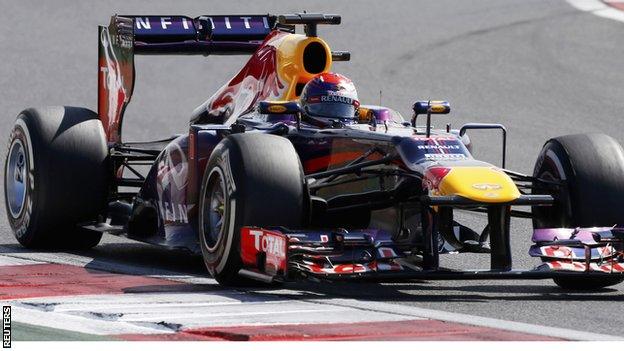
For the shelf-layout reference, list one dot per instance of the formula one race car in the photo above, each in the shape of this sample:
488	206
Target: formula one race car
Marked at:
281	178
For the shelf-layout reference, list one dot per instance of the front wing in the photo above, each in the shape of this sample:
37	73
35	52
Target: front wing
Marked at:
279	254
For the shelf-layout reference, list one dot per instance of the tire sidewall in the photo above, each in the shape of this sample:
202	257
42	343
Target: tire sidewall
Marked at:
222	258
67	177
553	164
265	187
23	225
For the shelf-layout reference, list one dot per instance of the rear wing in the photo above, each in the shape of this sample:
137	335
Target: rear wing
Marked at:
129	35
203	35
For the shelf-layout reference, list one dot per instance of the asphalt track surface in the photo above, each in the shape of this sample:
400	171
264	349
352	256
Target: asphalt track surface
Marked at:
542	68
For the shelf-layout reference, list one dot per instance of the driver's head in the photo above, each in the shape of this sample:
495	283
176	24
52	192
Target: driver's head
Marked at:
329	96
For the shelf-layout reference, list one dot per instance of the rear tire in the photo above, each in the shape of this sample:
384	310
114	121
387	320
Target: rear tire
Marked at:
250	180
592	166
56	177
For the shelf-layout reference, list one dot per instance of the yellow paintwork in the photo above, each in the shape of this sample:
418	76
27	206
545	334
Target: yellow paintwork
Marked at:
290	67
482	184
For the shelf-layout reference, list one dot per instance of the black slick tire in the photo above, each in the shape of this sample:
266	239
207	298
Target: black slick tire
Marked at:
58	156
591	167
258	181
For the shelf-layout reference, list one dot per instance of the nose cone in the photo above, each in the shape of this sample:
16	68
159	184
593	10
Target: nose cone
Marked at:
482	184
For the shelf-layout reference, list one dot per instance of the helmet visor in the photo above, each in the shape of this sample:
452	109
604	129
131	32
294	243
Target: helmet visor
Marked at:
331	110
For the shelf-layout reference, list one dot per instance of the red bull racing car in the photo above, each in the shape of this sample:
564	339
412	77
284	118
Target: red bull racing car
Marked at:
284	174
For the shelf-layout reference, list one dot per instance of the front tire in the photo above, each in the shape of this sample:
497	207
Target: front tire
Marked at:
591	167
250	180
55	177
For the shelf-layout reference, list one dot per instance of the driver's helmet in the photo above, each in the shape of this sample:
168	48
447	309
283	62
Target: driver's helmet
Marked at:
329	97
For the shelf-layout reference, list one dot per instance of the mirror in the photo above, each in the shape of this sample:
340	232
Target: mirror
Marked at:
434	107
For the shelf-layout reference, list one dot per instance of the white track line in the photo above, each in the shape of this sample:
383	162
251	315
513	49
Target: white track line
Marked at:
598	8
81	324
16	261
169	312
476	320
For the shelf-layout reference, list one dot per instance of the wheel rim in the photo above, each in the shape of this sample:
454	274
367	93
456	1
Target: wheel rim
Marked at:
15	178
214	211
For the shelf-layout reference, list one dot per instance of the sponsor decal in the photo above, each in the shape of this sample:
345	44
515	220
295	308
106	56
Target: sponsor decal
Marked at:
486	186
246	20
177	22
277	109
436	138
174	212
438	147
162	22
273	244
437	108
171	185
324	238
354	268
6	327
227	170
332	98
445	156
269	243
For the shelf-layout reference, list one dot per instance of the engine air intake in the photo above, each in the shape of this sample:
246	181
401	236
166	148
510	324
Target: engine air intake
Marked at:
314	58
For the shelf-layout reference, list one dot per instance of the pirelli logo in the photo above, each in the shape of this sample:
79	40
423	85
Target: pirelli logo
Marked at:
6	327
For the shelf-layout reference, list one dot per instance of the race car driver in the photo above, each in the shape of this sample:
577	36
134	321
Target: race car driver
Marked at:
329	100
